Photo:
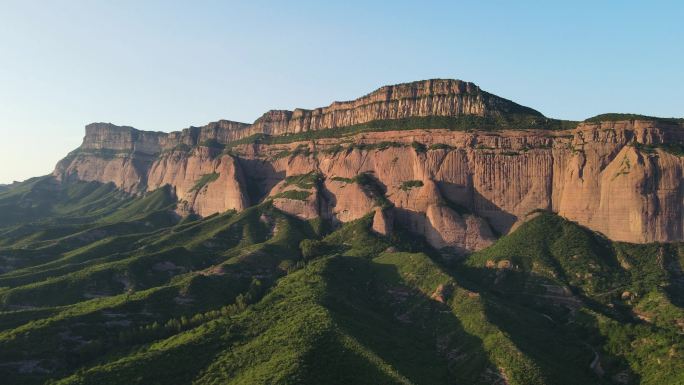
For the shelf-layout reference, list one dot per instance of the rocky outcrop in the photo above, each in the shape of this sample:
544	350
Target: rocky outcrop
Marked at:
205	182
106	136
621	181
128	172
303	202
383	221
446	228
455	188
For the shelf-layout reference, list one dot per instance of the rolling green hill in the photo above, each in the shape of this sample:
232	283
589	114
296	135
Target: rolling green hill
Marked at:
98	287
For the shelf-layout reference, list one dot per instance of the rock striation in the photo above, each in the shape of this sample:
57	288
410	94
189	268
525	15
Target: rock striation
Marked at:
458	189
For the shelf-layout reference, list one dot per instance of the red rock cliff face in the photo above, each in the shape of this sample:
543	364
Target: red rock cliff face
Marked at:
455	188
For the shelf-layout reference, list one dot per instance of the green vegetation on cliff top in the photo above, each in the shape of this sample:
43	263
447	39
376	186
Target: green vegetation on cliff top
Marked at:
459	123
612	117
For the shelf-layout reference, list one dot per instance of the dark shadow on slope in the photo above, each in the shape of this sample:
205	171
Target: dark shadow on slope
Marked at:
416	335
544	327
673	266
537	280
349	366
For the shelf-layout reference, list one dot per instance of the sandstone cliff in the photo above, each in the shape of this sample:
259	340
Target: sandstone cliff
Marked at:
456	188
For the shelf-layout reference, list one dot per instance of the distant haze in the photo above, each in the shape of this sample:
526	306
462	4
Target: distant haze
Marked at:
157	65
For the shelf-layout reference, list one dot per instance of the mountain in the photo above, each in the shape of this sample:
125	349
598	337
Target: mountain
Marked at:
427	233
456	164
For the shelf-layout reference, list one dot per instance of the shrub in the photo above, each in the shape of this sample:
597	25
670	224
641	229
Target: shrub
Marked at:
213	143
204	180
312	248
676	148
440	146
293	194
342	179
419	147
372	187
305	181
409	184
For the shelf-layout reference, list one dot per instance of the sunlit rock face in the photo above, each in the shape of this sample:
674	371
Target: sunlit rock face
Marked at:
457	189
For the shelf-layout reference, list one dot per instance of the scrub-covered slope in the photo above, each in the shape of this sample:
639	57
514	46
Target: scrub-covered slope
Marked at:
125	291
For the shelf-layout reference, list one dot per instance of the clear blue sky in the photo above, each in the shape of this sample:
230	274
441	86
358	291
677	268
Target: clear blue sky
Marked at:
165	65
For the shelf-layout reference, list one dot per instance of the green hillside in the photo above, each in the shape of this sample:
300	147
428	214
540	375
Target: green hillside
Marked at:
98	287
